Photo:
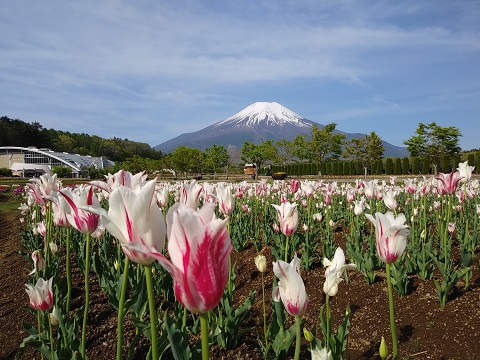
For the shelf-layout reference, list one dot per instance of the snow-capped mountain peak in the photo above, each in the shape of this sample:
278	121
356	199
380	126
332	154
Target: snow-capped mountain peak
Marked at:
265	114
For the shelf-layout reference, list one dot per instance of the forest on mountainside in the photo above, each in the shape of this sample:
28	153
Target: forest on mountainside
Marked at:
14	132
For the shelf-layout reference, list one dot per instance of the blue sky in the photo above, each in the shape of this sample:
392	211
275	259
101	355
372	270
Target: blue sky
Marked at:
152	70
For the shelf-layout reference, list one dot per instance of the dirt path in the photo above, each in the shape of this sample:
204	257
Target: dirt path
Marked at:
13	269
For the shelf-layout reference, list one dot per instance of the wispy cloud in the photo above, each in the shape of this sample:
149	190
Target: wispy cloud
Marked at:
150	61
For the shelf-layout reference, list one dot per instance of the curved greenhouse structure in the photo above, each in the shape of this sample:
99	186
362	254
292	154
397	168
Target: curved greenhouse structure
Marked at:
31	161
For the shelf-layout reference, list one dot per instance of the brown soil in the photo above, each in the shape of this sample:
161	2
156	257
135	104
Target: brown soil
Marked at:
425	331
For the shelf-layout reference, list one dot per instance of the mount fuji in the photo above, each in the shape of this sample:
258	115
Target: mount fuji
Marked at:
258	121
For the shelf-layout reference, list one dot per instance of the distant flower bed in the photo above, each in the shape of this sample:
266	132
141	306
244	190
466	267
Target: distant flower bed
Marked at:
279	175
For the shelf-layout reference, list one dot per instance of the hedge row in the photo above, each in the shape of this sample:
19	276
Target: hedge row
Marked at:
387	166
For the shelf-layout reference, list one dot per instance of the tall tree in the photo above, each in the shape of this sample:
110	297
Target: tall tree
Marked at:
261	154
323	144
433	142
185	159
284	151
216	157
367	150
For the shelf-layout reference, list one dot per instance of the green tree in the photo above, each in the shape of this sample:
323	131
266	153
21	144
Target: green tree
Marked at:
425	167
433	142
397	170
415	166
389	166
445	164
261	154
284	151
367	150
471	159
216	157
405	166
62	171
323	144
64	142
135	164
185	159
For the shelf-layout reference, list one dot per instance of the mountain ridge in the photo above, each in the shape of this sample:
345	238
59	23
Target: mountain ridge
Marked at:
258	122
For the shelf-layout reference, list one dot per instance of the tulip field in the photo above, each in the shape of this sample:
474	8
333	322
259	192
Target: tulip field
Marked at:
133	267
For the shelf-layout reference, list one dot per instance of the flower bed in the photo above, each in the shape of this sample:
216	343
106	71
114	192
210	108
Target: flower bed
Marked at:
433	269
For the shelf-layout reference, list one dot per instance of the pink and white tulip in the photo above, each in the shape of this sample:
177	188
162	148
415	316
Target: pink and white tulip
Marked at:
41	295
73	202
226	201
38	262
199	247
136	221
290	288
120	178
391	235
287	215
448	183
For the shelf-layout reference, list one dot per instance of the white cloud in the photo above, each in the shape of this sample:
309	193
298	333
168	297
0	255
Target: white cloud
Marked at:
133	60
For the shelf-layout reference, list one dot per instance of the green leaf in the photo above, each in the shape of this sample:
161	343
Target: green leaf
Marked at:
178	344
283	341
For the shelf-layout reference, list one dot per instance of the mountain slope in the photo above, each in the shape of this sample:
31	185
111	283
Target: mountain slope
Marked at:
257	122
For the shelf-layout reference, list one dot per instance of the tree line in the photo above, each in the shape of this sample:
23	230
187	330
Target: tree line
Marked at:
14	132
325	151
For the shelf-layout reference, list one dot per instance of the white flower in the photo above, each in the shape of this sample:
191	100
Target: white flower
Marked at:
465	171
334	271
321	354
261	263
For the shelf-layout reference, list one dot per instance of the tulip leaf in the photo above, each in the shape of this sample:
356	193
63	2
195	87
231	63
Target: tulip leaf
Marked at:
283	341
36	343
178	343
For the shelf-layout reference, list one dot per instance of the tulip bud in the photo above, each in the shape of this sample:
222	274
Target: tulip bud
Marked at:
53	247
348	310
308	335
54	317
452	228
261	263
383	349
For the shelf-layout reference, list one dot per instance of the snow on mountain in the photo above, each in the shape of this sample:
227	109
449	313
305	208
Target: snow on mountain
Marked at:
264	114
256	123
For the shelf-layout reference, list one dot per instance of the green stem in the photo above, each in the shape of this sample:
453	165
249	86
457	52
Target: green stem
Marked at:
87	296
51	336
39	324
153	316
184	321
286	249
119	258
446	230
48	237
67	269
265	333
204	330
121	304
327	311
298	330
392	314
230	276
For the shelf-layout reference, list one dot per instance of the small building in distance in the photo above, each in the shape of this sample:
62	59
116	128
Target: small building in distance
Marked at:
32	162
